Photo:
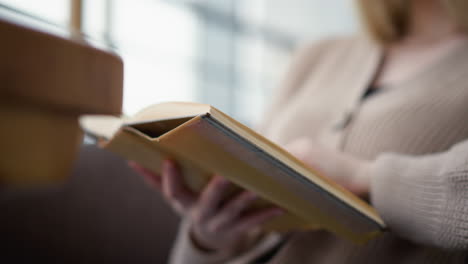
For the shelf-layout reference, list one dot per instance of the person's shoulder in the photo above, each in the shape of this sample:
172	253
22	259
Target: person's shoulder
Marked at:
335	44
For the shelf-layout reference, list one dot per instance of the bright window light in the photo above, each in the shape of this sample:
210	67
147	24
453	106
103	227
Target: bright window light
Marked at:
158	43
55	11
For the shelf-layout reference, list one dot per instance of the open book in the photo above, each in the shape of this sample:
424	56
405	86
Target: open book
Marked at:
204	141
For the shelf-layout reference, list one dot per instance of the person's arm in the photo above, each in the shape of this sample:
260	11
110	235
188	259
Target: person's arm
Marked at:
185	250
424	198
216	228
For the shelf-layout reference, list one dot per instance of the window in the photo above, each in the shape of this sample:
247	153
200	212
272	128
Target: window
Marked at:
158	42
229	53
53	11
207	51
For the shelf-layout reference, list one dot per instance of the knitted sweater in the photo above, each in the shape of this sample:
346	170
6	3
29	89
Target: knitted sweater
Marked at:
419	183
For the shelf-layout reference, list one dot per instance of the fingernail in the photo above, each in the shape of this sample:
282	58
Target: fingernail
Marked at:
135	166
278	212
252	195
132	163
222	180
167	164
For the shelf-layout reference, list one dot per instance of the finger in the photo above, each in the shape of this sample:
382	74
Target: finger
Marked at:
256	219
174	188
211	197
154	179
233	209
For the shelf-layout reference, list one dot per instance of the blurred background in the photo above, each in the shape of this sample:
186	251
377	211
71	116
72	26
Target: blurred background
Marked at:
228	53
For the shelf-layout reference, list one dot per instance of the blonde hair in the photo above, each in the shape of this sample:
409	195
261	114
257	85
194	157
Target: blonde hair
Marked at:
387	21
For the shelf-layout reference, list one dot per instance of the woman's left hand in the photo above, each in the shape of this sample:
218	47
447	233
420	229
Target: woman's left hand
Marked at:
346	170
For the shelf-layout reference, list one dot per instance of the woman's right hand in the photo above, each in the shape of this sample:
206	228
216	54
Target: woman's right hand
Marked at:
216	224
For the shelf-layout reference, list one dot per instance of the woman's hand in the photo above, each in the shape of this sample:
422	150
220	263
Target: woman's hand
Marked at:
344	169
216	224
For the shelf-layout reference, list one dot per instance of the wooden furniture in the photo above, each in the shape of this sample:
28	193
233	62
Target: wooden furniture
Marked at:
46	82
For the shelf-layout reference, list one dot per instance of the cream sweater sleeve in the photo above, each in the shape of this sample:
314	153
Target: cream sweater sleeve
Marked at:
185	252
424	198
